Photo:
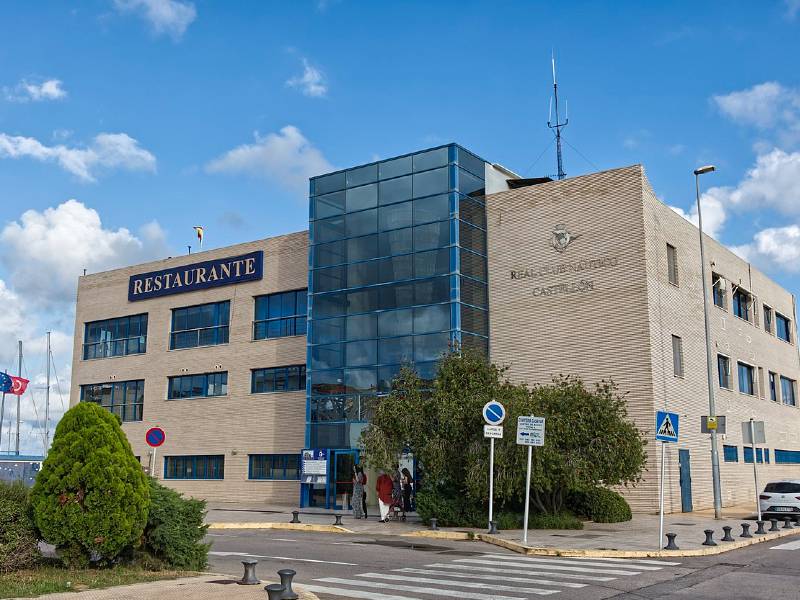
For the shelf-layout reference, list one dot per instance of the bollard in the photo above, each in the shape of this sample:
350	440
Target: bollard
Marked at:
274	591
295	516
286	576
796	519
338	519
774	525
709	538
746	531
492	527
671	542
249	577
434	526
760	530
787	523
727	537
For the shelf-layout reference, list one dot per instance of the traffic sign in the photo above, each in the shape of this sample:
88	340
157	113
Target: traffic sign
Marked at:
758	430
493	431
530	431
494	413
715	423
154	437
666	426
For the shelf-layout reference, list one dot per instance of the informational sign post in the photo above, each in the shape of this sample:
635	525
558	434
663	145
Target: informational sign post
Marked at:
154	437
753	433
530	433
666	433
314	466
494	414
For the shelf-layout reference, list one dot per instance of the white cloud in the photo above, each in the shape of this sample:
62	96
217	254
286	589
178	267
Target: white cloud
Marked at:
792	8
286	157
45	252
170	17
311	82
767	106
25	91
107	151
714	215
773	182
774	248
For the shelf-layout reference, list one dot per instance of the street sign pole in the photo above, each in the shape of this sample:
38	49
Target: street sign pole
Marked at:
661	500
527	498
491	482
755	470
494	414
667	427
153	464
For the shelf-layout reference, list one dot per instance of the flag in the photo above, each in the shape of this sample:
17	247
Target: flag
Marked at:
199	231
5	383
18	385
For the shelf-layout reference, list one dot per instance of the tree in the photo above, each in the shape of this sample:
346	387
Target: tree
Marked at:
91	497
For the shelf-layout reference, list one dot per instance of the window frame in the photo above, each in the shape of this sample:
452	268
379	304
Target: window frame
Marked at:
729	375
793	387
284	370
678	366
209	468
110	344
672	265
125	406
278	462
769	319
749	304
282	320
218	328
718	293
751	371
190	376
772	378
778	318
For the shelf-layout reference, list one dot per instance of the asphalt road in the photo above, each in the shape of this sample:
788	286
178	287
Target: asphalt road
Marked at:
337	566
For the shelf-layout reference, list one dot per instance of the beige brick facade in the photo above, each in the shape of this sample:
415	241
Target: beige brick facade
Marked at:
604	308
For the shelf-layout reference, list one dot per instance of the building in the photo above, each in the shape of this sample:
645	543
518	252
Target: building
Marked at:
247	355
20	467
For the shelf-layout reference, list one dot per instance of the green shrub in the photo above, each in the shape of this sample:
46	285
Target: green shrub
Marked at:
562	520
91	497
175	529
449	509
19	546
508	520
601	505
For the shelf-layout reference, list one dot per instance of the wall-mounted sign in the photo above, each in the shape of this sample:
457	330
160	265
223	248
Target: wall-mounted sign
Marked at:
197	276
314	466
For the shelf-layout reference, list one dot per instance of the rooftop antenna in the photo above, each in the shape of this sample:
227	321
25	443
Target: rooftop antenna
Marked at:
557	126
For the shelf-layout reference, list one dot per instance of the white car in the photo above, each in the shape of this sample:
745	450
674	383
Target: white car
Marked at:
781	498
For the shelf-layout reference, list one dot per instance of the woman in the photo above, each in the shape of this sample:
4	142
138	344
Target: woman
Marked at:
383	487
408	488
358	492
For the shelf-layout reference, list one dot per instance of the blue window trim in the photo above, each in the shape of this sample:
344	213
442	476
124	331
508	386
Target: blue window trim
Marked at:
730	453
124	407
301	378
783	327
218	374
205	460
761	455
296	323
789	399
750	379
787	457
278	463
110	346
218	328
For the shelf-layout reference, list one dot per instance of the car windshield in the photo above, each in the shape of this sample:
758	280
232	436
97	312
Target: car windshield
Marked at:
783	487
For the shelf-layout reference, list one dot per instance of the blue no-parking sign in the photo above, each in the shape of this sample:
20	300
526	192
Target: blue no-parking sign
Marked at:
154	437
666	426
494	413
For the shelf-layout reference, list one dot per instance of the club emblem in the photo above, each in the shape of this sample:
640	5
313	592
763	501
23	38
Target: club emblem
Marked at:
562	238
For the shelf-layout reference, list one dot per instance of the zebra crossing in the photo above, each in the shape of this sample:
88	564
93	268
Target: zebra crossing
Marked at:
485	577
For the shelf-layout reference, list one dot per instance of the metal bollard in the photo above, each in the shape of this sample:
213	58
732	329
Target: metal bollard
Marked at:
796	519
286	576
746	531
434	526
274	591
787	523
760	530
727	537
774	525
671	545
492	527
249	577
295	516
709	538
338	519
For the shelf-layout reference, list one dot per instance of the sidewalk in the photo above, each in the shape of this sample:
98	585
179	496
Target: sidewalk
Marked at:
206	587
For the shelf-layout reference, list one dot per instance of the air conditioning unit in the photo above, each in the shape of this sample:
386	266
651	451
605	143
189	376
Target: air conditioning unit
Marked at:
722	284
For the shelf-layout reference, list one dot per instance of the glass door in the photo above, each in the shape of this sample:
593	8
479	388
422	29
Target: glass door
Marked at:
342	481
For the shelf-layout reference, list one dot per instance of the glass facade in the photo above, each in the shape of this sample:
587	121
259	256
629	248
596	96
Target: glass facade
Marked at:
274	466
115	337
280	315
194	467
198	386
123	398
397	275
202	325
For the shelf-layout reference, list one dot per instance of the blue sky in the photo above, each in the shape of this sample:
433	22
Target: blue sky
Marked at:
157	115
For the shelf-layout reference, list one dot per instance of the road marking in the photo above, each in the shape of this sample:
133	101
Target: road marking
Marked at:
479	561
788	546
466	584
368	594
421	590
521	572
628	560
282	540
568	584
311	560
566	561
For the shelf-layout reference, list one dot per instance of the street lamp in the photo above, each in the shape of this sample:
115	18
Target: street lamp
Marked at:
709	368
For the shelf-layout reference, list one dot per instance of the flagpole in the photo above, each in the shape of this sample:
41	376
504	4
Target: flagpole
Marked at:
19	395
2	416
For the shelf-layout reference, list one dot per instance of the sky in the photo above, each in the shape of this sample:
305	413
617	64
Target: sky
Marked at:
124	123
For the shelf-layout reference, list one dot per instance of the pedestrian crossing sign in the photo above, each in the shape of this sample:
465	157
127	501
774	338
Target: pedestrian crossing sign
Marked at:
666	426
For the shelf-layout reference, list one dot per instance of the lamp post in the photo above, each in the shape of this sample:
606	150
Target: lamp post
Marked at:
712	412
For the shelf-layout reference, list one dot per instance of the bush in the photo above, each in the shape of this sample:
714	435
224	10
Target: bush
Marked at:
175	529
19	546
91	497
508	520
562	520
601	505
449	509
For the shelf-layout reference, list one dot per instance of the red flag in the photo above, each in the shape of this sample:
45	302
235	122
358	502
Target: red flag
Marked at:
18	385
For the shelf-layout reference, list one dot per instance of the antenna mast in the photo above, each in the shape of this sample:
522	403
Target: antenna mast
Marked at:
557	126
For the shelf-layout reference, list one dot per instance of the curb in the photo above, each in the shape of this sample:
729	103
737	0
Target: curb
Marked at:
282	526
299	588
442	535
589	552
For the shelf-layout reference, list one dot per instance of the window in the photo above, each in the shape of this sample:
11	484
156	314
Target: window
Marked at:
724	368
274	466
123	398
783	327
278	379
677	356
719	285
741	304
115	337
782	487
773	387
768	319
730	453
746	378
672	264
788	391
202	325
198	386
194	467
280	315
787	457
761	455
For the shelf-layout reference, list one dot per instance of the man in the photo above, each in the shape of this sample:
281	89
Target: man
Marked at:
384	489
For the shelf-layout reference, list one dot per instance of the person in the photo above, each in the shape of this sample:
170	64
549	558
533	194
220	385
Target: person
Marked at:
358	492
384	489
408	489
364	495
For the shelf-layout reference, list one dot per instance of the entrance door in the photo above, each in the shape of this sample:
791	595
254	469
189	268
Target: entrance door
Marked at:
342	480
686	480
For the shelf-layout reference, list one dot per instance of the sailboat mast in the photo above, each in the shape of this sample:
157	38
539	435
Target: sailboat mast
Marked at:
19	374
47	401
2	416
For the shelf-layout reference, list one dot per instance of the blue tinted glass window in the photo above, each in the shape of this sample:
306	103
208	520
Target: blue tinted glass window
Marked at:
432	291
471	163
362	175
395	242
362	248
364	273
395	190
472	237
432	262
396	322
431	318
362	197
329	205
330	305
474	320
361	353
745	373
428	237
473	265
278	379
741	304
194	467
431	346
788	391
361	327
203	325
472	211
430	159
434	208
327	382
284	314
360	381
474	292
328	330
328	230
731	453
396	350
395	167
274	466
470	185
395	269
328	183
396	296
326	255
362	301
115	337
394	216
362	223
198	386
326	357
332	278
122	398
431	182
783	327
